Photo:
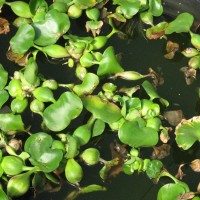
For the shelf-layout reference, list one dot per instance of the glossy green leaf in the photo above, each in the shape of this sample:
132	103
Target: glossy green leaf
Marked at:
49	30
182	23
72	146
23	39
135	136
59	115
98	128
3	195
85	4
195	39
155	7
187	133
170	191
102	109
37	5
154	168
4	96
1	3
128	8
90	82
42	155
109	63
11	122
3	77
150	90
31	71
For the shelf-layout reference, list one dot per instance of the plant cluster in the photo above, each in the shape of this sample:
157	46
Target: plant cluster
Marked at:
58	151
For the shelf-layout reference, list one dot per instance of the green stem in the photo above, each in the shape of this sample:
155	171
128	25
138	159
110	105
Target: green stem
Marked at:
70	85
91	120
114	30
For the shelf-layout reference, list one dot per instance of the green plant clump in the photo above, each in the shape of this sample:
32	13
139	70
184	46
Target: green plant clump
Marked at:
58	150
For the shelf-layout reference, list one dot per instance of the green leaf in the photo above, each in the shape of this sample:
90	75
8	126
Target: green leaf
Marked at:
187	132
4	96
92	188
90	82
31	71
82	4
37	5
102	109
49	30
38	146
3	195
3	77
155	7
128	8
109	63
154	168
11	122
98	128
23	39
182	23
135	136
150	90
170	191
59	115
1	3
156	31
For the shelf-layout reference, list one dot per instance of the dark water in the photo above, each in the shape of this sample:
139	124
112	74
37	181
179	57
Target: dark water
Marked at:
136	54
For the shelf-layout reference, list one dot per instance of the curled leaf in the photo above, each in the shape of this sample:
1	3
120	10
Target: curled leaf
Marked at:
4	26
161	152
195	165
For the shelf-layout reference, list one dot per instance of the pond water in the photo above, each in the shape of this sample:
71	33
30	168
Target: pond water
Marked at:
136	54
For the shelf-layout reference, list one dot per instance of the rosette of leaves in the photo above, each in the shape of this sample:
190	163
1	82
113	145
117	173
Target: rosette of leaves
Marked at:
187	132
42	155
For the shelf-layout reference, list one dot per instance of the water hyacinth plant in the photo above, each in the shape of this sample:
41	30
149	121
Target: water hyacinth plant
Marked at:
59	149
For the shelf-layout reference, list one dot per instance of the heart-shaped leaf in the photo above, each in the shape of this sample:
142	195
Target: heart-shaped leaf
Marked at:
11	122
130	133
3	77
109	63
170	191
59	115
90	82
23	39
102	109
49	30
181	24
38	146
187	132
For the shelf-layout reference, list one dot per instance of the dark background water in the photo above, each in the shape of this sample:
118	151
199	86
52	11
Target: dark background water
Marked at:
137	54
